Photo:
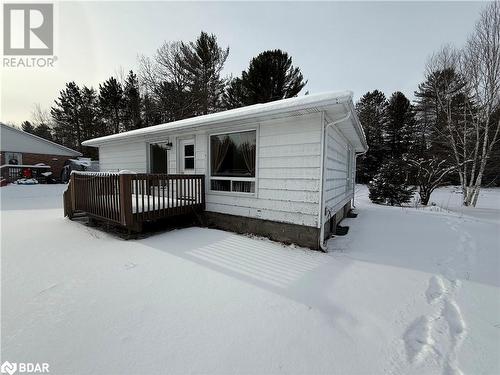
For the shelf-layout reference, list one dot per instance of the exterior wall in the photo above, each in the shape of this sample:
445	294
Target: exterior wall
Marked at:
56	162
338	176
287	183
131	156
287	173
338	173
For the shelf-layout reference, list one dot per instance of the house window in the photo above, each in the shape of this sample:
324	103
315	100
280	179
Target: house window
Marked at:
232	162
188	156
14	158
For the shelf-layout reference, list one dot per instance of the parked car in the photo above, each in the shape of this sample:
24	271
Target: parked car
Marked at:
80	164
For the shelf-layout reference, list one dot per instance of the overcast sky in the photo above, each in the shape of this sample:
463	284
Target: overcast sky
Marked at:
357	46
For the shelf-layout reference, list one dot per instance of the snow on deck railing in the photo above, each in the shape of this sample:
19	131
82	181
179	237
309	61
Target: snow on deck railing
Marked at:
91	173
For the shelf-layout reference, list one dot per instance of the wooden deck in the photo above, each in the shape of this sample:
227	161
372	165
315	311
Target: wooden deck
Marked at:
130	200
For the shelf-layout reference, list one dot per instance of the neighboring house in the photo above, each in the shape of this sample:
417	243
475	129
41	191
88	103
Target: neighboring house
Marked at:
24	149
284	169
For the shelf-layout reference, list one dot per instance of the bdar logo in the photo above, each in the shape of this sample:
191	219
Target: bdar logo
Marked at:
28	29
8	368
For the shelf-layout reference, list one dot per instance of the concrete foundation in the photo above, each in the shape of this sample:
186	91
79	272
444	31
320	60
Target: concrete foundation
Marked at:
283	232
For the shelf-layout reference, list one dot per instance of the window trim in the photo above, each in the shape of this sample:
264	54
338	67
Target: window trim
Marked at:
180	154
349	169
226	178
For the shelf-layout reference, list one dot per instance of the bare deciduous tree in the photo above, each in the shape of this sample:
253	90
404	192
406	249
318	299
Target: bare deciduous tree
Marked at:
163	77
467	95
430	173
40	115
480	65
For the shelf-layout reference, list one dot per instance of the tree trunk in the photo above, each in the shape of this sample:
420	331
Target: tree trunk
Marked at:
424	197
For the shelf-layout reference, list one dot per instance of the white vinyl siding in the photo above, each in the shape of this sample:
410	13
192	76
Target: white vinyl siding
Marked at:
288	168
287	175
129	156
338	172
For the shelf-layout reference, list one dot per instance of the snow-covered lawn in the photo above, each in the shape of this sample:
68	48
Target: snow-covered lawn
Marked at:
407	291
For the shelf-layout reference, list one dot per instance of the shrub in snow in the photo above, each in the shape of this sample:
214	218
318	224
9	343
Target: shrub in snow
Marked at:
390	184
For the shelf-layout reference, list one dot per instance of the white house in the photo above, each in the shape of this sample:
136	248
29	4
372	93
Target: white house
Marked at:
284	169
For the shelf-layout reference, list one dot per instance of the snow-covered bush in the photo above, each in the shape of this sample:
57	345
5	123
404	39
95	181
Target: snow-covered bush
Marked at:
390	184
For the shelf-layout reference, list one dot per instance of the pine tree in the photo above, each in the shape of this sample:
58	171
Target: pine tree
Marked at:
27	127
111	104
150	112
431	115
400	124
92	125
132	103
43	131
372	113
66	116
234	94
270	76
174	103
203	61
390	184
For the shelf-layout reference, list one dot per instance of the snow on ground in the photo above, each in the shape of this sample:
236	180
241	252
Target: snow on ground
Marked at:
488	205
407	291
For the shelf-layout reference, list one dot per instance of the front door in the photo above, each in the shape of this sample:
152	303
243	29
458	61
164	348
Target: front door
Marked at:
187	156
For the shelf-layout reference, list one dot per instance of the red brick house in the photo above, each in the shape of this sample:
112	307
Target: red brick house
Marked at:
24	149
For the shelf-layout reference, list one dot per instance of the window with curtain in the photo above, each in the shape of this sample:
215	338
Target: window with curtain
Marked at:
232	162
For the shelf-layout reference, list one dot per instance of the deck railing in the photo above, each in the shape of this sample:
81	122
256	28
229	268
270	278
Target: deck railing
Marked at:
132	199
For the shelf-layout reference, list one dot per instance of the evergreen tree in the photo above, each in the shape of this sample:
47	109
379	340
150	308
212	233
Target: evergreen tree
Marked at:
400	124
150	113
27	127
174	103
270	76
203	61
92	125
372	113
111	104
132	103
234	94
432	115
66	116
390	184
43	131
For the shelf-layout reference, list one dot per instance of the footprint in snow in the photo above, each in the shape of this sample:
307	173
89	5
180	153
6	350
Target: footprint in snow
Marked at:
418	339
455	320
129	266
435	290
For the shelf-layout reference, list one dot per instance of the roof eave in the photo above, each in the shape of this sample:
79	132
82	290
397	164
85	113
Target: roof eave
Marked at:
320	104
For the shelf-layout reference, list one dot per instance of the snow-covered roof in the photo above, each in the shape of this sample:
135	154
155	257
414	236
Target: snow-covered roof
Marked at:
284	107
16	140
